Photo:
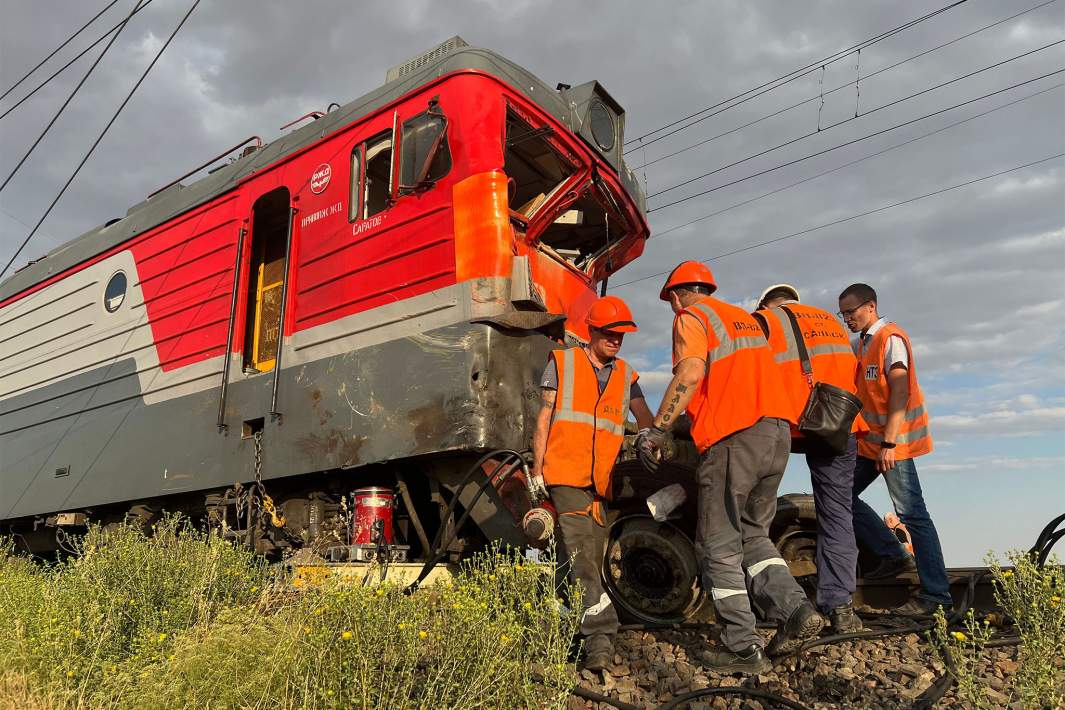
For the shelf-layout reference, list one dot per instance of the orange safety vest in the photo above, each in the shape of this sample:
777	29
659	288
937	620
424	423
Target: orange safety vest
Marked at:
742	382
914	438
587	428
831	357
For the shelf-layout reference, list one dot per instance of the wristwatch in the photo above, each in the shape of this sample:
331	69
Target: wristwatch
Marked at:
887	445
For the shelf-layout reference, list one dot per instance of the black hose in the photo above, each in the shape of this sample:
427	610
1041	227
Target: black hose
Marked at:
589	695
438	549
1045	552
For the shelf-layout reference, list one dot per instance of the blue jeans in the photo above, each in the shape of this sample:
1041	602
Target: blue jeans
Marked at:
905	491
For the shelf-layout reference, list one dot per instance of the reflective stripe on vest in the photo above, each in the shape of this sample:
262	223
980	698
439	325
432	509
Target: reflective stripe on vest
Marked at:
587	427
742	383
914	437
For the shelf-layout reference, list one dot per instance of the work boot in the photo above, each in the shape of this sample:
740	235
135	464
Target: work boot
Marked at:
803	624
598	652
891	567
843	619
922	607
748	661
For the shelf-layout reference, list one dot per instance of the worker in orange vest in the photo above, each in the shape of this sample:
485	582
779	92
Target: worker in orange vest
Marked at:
725	377
893	407
587	393
784	320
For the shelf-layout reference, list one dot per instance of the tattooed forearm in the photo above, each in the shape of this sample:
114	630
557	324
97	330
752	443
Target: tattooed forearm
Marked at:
679	392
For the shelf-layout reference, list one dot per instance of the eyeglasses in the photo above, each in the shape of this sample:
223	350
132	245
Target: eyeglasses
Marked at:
851	311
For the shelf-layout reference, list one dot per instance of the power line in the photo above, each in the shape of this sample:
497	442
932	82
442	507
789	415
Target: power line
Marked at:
69	98
63	68
56	51
821	95
853	118
847	143
855	216
100	137
878	153
796	74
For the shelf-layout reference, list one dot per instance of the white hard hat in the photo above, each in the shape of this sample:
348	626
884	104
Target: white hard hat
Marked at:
775	287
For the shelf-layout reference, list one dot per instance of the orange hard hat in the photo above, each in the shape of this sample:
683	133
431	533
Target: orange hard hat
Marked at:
689	272
610	313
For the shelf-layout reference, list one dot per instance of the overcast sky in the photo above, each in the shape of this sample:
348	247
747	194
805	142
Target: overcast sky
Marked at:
976	274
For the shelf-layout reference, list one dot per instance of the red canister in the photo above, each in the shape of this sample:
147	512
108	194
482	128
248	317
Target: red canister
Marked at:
373	504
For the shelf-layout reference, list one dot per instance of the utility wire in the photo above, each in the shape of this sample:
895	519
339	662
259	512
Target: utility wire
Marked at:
56	51
796	74
661	234
841	145
63	68
100	137
69	98
854	216
854	118
844	86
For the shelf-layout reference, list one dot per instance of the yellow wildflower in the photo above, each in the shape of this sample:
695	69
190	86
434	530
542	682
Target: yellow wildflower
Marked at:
346	635
959	636
165	612
77	633
1055	600
380	592
491	578
1007	573
254	589
504	638
519	567
70	674
423	634
162	637
402	626
318	611
527	605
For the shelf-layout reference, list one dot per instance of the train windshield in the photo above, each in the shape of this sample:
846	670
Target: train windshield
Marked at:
578	226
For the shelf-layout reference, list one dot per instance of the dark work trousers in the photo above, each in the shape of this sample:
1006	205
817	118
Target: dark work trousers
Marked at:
832	476
583	539
738	480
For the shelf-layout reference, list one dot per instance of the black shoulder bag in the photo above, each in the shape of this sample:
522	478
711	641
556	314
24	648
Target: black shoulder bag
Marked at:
830	411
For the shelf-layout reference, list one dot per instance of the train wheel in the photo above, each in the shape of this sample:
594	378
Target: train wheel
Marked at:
651	572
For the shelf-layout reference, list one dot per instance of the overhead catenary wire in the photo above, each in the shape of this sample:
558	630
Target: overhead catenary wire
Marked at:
790	76
63	68
847	143
843	220
58	49
820	95
829	127
70	98
99	138
848	164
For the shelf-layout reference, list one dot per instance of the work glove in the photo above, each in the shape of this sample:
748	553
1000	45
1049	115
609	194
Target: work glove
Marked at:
537	489
651	443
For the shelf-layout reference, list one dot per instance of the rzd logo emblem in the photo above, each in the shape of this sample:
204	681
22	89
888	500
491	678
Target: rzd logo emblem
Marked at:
320	178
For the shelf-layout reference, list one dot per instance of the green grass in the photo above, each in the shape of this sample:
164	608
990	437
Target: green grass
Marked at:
183	619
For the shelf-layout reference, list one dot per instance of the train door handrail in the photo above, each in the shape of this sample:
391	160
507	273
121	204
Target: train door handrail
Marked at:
222	426
274	414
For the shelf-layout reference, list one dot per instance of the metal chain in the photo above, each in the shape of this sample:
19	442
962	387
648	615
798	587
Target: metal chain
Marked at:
266	503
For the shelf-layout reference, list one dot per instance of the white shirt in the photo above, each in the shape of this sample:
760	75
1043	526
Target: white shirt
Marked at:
894	354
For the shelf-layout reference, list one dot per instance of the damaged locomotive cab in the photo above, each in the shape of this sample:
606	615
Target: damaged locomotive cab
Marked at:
583	224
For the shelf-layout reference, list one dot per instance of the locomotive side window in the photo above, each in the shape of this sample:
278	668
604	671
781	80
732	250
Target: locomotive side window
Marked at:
424	153
371	177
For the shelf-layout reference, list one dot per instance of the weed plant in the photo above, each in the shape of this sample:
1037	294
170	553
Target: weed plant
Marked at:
180	618
1032	599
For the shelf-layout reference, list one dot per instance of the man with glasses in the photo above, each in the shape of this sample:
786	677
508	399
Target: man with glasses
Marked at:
893	407
587	393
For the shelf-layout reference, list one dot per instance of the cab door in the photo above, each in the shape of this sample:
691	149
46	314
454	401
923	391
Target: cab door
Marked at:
271	224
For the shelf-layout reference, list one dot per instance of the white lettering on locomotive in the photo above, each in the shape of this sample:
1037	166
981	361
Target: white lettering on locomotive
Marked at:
320	214
367	224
